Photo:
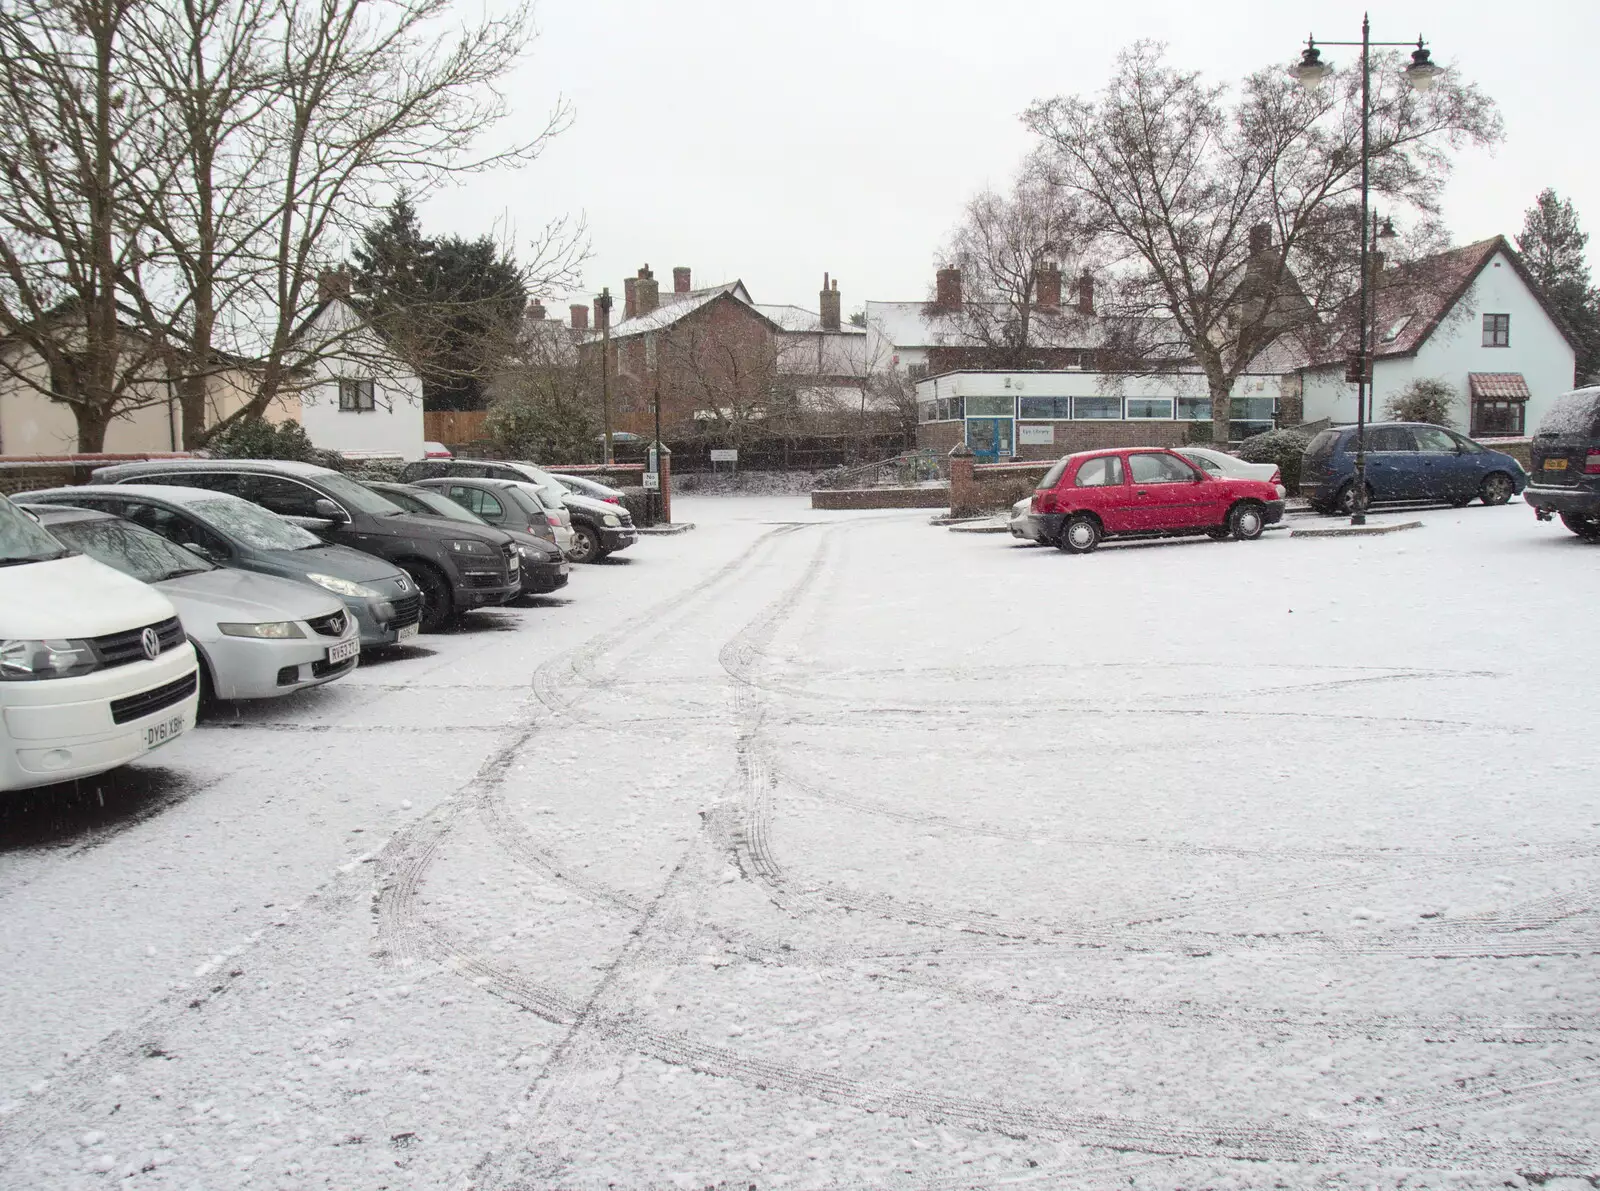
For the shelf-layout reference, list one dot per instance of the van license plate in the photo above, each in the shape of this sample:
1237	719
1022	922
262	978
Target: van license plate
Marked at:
1555	465
164	731
344	651
406	633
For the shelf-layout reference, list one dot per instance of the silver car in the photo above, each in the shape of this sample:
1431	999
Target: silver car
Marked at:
258	636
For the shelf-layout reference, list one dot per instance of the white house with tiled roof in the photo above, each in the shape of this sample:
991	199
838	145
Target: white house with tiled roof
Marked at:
1473	318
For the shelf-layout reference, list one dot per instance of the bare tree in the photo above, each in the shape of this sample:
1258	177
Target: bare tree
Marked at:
183	172
74	137
1229	217
1008	248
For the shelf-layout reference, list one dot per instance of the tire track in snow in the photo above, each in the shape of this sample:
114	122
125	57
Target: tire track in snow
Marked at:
743	657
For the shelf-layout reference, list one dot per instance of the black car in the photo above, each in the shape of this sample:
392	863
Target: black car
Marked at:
600	527
235	533
544	567
456	567
1566	464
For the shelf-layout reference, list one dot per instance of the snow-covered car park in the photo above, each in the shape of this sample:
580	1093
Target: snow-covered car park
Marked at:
837	850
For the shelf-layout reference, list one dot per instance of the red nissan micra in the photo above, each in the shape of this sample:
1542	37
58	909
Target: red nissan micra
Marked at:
1145	490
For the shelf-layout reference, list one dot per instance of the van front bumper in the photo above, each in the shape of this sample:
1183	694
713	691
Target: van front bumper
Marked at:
58	729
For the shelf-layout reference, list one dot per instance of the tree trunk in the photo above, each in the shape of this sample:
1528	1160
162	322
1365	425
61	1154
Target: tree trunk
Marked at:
192	401
1221	413
92	423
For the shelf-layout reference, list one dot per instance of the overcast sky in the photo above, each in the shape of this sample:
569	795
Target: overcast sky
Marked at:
773	142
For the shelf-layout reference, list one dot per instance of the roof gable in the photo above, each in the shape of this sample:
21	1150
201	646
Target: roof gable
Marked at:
1416	298
676	307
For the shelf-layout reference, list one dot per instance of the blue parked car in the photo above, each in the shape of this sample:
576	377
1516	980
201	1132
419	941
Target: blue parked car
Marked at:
1406	461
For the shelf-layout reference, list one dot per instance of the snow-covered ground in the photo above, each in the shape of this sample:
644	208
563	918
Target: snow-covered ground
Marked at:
834	850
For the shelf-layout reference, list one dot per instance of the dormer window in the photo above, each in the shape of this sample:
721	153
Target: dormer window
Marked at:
1397	328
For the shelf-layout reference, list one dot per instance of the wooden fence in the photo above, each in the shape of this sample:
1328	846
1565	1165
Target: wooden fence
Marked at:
452	426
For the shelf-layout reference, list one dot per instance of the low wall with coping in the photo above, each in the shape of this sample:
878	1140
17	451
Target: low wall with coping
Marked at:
881	498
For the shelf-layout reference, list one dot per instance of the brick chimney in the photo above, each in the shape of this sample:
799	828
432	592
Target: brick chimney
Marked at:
1047	287
536	310
630	297
1260	238
333	283
580	317
602	317
947	289
680	279
1086	293
647	290
829	300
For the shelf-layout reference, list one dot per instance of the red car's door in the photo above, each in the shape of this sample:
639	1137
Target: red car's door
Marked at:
1166	494
1100	487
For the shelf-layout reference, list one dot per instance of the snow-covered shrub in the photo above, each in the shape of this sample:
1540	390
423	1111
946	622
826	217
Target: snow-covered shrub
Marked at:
1283	447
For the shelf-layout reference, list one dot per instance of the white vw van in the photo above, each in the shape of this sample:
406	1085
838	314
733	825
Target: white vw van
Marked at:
94	668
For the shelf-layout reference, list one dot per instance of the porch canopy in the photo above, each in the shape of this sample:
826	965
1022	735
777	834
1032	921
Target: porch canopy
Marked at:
1497	386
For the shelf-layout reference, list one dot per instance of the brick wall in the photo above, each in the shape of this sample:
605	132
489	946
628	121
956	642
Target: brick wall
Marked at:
27	473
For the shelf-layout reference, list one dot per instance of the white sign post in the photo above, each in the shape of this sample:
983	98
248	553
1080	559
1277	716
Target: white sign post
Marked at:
728	456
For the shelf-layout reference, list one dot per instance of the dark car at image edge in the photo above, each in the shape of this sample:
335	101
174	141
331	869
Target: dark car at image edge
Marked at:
456	567
1565	458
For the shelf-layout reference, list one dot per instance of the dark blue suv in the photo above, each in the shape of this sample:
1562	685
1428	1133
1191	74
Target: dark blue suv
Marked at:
1406	461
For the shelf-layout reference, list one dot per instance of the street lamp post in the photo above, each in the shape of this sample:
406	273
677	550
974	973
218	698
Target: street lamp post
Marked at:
603	305
1420	74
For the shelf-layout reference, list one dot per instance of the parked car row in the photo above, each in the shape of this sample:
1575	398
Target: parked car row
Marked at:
161	586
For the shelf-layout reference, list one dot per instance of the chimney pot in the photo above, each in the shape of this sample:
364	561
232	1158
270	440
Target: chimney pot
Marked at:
947	288
1086	293
680	279
536	310
646	291
1047	287
829	304
580	317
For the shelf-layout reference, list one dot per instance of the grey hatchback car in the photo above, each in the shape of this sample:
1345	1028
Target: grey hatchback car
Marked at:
231	531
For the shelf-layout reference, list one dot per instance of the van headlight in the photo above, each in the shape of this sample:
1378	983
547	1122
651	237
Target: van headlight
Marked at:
21	661
272	630
344	587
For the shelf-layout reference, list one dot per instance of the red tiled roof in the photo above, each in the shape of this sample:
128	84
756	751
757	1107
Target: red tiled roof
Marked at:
1502	385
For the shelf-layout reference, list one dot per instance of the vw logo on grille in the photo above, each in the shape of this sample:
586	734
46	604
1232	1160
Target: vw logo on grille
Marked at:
151	641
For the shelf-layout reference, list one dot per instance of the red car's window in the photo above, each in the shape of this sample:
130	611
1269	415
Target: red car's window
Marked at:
1151	468
1100	473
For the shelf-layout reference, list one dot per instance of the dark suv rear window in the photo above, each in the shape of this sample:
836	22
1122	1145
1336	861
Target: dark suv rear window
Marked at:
1572	414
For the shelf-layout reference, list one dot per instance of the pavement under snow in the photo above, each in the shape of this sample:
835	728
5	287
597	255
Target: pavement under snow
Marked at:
822	850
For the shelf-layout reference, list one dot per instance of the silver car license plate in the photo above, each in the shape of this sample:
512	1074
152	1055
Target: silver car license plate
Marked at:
344	651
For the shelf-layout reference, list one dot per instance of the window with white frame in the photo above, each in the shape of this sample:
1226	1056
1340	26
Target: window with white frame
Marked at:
356	395
1194	409
1086	409
1045	409
1149	408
